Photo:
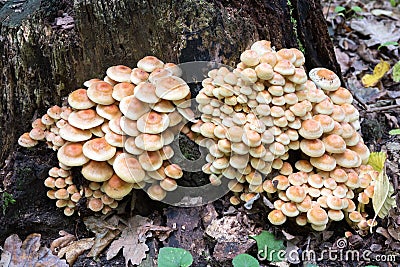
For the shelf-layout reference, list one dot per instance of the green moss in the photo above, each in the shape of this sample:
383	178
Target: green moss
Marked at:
7	200
294	23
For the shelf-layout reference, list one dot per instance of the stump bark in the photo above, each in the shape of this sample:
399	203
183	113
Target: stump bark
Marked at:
49	48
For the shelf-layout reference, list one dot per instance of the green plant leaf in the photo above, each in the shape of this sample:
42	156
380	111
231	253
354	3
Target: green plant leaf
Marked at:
396	72
245	260
394	132
387	44
356	9
311	265
174	257
339	9
270	248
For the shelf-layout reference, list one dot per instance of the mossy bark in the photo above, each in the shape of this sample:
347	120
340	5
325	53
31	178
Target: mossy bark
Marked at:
43	62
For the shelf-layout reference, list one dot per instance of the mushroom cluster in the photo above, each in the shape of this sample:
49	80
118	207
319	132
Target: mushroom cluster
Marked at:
118	131
268	126
255	117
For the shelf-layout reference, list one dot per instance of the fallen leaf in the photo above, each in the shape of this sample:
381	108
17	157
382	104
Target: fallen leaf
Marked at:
106	231
395	233
394	132
380	12
63	241
380	70
28	253
133	238
379	32
382	200
75	249
396	72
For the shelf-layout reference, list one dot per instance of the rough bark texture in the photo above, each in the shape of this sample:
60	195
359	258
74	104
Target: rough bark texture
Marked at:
42	62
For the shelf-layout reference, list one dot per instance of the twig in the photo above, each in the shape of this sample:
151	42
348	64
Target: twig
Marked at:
362	104
369	110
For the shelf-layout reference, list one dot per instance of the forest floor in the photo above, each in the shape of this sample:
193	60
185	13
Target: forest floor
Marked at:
215	233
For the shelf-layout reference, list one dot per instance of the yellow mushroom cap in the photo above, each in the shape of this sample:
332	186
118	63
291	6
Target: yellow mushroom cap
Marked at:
61	194
146	92
153	123
324	163
122	90
95	204
334	202
311	129
26	141
150	160
339	175
296	193
282	182
150	63
290	209
138	75
325	79
133	108
101	93
348	159
276	217
362	150
156	192
355	216
284	67
163	106
97	171
85	119
108	112
79	99
149	142
171	88
37	134
312	148
173	171
317	216
334	143
128	168
341	96
303	165
119	73
116	188
71	154
73	134
98	149
168	184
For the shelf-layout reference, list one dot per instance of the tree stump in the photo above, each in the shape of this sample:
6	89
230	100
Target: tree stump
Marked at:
49	48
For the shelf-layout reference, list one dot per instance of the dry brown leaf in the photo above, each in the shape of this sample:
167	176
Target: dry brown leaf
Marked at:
63	241
28	253
395	233
379	32
75	249
133	238
132	241
106	231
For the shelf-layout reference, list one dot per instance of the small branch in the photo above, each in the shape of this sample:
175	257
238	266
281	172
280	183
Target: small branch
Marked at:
377	109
